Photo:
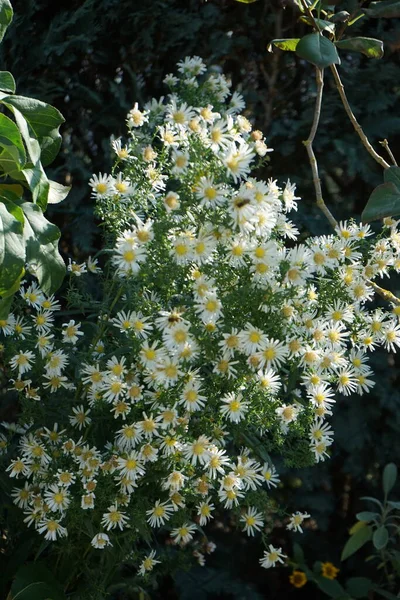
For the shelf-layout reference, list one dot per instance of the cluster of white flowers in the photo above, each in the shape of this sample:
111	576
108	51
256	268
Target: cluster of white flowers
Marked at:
218	342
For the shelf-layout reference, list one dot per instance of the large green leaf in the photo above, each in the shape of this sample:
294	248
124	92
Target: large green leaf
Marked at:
57	192
6	15
369	46
289	44
358	587
7	82
12	251
356	541
5	305
35	581
392	175
387	9
322	24
380	537
11	141
330	587
41	240
44	121
318	50
389	477
383	202
39	184
367	516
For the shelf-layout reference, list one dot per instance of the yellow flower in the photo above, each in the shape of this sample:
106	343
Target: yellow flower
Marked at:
329	570
298	579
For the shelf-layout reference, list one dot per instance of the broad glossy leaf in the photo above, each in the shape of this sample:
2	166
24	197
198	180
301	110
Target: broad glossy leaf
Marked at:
318	50
358	587
387	9
6	15
356	541
12	252
41	240
14	188
11	141
392	175
57	192
38	184
389	477
368	46
288	44
380	537
383	202
7	82
44	121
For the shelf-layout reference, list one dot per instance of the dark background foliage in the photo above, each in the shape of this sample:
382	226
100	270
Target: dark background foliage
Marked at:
93	59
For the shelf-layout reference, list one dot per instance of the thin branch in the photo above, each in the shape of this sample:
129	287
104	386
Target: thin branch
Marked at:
385	294
385	144
354	121
308	144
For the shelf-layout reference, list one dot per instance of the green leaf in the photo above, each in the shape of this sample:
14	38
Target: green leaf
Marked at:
38	184
12	252
384	593
318	50
41	240
383	202
6	15
389	477
44	121
387	9
289	44
5	305
395	505
7	82
358	587
11	141
330	587
370	47
298	554
57	192
35	581
392	175
367	516
380	537
356	541
246	1
322	24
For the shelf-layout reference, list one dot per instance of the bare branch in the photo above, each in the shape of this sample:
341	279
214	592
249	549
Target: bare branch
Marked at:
308	144
385	144
355	123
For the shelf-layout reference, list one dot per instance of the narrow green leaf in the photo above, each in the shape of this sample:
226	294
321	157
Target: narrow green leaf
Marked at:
44	121
41	240
387	9
7	82
11	141
356	541
289	44
12	252
246	1
393	504
383	202
57	192
380	537
298	554
358	587
384	593
392	175
367	516
6	15
330	587
389	477
318	50
370	47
